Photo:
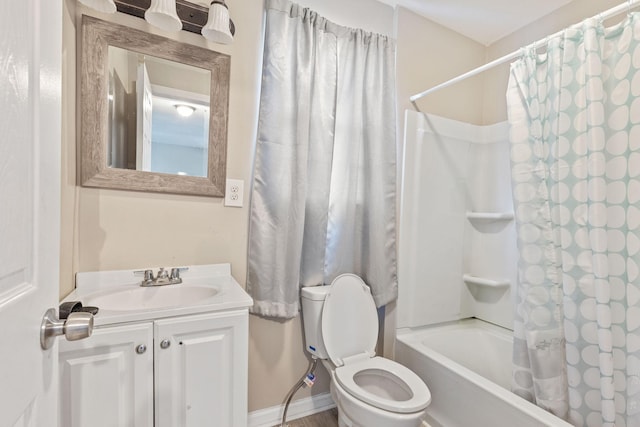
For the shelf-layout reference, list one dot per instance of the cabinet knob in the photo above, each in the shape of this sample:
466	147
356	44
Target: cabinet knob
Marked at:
165	344
141	349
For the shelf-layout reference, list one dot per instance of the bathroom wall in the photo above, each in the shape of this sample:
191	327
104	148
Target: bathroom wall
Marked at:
369	15
109	229
495	81
429	54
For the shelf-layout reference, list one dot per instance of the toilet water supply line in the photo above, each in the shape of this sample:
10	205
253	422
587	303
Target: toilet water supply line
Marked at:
307	380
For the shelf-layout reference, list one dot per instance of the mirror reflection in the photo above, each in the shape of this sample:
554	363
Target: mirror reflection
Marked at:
158	114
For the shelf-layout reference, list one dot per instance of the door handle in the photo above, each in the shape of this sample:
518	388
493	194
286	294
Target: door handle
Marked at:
77	326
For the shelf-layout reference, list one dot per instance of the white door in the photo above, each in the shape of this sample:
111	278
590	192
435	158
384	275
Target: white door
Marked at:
30	137
144	112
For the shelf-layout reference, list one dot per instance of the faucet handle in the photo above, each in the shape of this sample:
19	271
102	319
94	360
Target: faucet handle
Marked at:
148	274
175	273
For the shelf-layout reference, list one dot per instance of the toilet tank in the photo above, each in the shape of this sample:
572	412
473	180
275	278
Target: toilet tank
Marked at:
312	298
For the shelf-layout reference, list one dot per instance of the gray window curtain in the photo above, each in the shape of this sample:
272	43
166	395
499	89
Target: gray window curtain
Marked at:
324	185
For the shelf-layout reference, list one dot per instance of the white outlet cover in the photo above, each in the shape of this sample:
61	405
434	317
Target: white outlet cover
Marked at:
234	193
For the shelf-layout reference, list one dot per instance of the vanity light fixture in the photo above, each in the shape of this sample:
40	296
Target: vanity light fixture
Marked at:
219	27
212	22
184	110
104	6
162	14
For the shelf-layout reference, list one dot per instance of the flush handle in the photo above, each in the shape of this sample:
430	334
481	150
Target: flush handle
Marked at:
77	326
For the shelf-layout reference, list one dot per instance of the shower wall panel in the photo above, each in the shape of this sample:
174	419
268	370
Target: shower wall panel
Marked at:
452	168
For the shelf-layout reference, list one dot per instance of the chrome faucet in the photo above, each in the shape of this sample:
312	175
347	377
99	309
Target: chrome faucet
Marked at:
162	278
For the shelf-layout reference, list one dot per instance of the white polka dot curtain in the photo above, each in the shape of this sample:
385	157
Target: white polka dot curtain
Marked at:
574	113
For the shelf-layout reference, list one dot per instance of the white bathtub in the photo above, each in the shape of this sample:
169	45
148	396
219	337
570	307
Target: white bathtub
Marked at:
467	366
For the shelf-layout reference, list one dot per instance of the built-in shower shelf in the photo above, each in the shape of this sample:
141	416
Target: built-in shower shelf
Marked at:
490	216
483	281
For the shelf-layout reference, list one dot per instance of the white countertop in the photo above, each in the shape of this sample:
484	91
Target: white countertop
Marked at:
230	295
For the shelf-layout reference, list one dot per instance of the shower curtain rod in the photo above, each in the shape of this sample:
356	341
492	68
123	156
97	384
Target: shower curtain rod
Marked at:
626	6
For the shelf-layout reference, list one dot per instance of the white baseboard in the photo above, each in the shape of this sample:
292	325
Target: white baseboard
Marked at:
272	416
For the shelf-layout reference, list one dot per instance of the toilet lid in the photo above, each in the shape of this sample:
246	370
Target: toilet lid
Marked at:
349	319
384	384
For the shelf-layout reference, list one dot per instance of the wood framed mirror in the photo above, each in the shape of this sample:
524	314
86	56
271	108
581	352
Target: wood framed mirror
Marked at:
154	112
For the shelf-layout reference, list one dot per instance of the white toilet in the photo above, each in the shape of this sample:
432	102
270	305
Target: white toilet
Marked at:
341	328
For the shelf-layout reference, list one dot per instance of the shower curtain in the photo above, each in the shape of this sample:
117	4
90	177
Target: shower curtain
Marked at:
574	113
324	187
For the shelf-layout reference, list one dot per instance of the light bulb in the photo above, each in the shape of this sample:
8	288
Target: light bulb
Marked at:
162	14
217	28
184	110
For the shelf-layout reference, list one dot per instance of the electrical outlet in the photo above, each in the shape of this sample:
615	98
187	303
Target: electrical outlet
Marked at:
234	193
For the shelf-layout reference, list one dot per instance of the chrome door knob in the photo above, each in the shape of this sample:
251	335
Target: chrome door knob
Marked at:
141	349
77	326
165	344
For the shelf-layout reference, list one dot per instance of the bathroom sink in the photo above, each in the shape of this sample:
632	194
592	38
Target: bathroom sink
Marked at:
147	298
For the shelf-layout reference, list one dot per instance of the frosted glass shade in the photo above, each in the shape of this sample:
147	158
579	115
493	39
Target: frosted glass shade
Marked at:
162	14
217	26
104	6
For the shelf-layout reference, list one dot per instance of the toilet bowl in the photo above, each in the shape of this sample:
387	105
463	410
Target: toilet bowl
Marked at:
341	329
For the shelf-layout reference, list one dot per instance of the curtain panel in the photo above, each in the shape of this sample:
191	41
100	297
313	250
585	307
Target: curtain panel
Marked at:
574	113
324	185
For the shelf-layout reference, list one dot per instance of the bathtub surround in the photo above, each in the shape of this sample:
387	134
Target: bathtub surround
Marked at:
457	221
324	187
574	114
453	171
620	393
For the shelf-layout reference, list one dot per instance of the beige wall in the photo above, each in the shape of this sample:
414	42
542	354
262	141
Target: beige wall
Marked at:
429	54
495	81
108	229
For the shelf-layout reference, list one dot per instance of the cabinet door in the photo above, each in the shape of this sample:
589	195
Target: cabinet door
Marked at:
104	381
201	370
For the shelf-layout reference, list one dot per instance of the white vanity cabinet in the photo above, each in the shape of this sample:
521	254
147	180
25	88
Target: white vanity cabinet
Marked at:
160	356
191	372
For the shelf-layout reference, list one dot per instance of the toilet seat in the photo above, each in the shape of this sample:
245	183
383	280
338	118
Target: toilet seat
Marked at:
410	393
349	319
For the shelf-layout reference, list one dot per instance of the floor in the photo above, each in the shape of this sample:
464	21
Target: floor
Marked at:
327	418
